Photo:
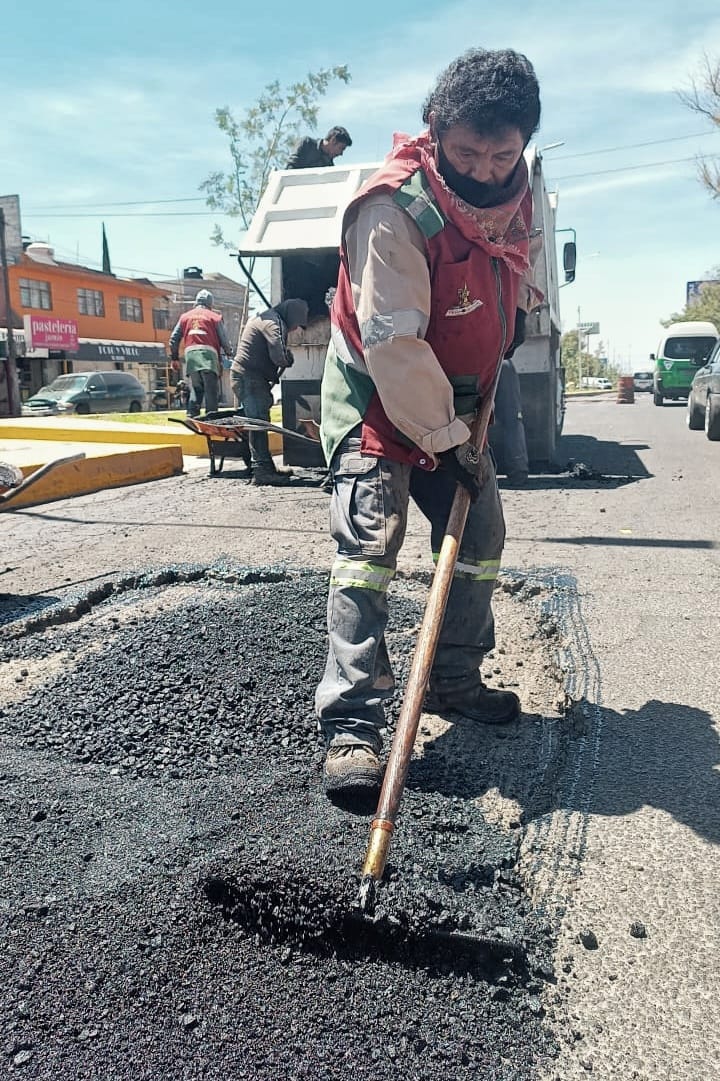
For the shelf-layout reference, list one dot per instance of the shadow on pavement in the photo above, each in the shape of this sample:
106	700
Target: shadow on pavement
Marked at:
665	755
176	523
636	542
606	456
299	478
586	462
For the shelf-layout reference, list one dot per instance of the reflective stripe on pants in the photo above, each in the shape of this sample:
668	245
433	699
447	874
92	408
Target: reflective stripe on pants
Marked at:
348	572
486	570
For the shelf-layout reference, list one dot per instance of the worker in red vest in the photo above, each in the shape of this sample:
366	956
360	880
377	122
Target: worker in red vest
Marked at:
435	262
203	333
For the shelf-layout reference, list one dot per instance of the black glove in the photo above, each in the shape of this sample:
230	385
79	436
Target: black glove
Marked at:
519	334
464	465
290	359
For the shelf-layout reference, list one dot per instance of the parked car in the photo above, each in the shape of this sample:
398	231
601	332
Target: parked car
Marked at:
87	392
703	408
643	381
595	382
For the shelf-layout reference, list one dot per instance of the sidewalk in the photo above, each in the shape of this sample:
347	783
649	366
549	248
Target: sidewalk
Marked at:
114	455
97	430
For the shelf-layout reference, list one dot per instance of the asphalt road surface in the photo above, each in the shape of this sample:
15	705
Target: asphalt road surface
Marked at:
621	857
644	555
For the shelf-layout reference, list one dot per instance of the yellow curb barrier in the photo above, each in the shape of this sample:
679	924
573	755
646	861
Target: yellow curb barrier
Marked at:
84	432
81	477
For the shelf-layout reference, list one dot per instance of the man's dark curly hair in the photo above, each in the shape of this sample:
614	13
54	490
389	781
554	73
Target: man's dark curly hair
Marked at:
486	91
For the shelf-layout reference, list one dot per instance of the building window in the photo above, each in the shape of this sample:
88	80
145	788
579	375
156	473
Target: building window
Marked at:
161	318
35	294
90	302
131	310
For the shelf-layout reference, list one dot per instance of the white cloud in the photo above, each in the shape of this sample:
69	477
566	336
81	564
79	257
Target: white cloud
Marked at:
141	126
670	63
639	179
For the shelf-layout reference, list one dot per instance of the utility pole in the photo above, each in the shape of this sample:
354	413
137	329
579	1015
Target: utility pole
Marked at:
11	379
579	347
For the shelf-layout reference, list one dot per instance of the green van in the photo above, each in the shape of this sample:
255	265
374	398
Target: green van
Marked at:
683	348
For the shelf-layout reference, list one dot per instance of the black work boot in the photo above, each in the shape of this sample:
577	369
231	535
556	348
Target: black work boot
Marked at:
354	767
473	699
263	476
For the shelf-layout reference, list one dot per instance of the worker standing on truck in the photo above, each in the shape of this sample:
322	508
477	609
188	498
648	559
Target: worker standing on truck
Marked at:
203	332
262	353
317	153
434	261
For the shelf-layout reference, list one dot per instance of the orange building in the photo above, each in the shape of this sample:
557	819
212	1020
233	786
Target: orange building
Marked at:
122	323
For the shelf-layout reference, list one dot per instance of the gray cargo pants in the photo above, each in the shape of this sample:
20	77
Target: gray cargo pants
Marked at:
368	517
255	397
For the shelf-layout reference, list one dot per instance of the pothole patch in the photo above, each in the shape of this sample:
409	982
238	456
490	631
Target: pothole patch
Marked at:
172	715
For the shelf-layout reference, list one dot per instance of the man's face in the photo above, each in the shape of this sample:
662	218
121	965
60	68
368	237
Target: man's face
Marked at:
488	159
334	148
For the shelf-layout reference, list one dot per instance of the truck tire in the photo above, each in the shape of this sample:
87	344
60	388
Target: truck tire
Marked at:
657	398
695	416
712	417
561	406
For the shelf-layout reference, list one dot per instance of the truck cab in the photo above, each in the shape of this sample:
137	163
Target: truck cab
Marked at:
297	226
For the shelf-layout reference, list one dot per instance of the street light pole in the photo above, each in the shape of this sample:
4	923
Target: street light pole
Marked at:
11	380
579	348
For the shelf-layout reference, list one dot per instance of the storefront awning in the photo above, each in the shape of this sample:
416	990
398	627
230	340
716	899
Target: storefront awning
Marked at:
132	352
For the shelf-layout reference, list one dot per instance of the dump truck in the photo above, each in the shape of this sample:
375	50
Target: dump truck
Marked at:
297	226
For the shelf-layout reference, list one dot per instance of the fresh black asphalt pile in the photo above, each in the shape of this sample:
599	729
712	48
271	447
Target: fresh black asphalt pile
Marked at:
178	898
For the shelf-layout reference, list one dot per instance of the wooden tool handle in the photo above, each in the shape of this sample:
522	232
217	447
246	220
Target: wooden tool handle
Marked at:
406	729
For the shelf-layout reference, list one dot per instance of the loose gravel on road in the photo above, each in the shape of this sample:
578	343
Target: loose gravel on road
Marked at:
178	898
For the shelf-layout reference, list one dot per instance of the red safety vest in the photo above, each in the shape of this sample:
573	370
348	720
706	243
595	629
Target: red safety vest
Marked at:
199	329
474	280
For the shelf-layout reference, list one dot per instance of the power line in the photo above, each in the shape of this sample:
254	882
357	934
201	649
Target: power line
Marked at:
92	263
215	213
626	168
631	146
201	199
134	202
135	214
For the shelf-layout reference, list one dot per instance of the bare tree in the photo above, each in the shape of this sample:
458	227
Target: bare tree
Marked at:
260	140
704	98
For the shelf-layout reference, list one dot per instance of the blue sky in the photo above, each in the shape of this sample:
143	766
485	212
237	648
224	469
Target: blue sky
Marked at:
114	104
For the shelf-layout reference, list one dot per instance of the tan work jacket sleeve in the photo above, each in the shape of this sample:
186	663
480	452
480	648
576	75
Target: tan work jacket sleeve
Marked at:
391	290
